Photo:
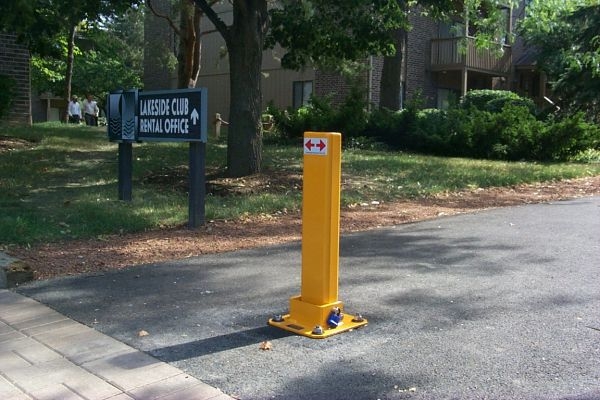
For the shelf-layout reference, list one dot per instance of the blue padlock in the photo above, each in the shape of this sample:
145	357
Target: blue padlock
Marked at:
335	317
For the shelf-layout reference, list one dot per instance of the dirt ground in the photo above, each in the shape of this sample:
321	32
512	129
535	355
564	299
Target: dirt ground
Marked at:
120	251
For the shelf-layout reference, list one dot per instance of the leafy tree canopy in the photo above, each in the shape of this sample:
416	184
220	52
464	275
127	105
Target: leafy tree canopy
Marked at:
108	56
40	23
566	36
44	25
326	33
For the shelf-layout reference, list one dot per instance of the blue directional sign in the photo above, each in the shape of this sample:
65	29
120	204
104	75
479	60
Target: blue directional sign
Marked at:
172	115
166	115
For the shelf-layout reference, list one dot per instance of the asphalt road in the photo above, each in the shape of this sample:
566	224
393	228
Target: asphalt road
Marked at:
500	304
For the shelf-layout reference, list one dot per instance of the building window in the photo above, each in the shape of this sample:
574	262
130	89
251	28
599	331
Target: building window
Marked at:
446	98
448	30
302	90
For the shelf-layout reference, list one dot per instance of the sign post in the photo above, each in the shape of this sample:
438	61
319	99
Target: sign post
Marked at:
166	115
196	215
121	128
179	116
317	312
125	170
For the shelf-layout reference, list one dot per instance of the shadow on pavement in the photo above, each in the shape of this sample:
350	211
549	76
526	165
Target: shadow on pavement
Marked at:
215	344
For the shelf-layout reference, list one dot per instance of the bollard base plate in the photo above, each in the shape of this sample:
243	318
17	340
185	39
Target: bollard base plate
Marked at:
291	325
304	317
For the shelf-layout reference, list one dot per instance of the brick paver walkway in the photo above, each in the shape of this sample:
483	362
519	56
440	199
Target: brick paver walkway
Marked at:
46	356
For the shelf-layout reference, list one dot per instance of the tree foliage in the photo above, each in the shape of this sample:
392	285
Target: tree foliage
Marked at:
326	34
39	22
44	25
566	36
319	31
109	56
487	21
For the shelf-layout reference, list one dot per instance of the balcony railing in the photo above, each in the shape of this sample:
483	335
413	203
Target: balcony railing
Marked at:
451	54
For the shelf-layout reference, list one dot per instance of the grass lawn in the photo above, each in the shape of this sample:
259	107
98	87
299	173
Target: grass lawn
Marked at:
59	182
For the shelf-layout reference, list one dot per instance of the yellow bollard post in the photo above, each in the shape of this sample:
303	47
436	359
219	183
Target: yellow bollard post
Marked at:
317	312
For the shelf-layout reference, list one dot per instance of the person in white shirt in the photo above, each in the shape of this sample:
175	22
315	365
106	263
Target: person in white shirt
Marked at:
90	111
74	111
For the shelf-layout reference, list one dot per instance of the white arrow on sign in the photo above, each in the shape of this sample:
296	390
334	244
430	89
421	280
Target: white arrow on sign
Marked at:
194	115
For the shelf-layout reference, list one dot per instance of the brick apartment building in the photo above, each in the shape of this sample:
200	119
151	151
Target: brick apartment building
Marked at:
14	63
434	67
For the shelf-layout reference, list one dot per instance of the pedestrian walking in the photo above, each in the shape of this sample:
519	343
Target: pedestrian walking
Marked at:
74	111
91	111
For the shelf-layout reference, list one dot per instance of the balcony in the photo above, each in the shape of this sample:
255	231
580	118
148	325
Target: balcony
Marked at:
446	55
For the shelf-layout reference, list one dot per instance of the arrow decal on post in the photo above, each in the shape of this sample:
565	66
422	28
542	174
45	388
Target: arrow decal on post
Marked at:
315	146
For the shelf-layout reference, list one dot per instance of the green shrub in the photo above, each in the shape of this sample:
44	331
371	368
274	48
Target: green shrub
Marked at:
426	131
318	115
510	134
363	143
349	118
290	124
588	156
517	133
474	133
496	105
568	137
480	99
389	127
494	125
272	135
7	92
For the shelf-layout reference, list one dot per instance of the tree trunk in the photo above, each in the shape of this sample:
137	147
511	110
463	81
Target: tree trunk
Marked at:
197	48
69	73
189	45
391	74
245	44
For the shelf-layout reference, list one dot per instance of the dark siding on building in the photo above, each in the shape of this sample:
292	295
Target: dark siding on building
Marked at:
418	77
14	62
376	68
160	45
336	86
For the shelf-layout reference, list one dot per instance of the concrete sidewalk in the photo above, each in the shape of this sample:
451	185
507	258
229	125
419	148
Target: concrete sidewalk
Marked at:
45	355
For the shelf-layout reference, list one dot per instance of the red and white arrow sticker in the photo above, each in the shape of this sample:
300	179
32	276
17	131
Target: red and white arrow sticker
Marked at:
315	146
